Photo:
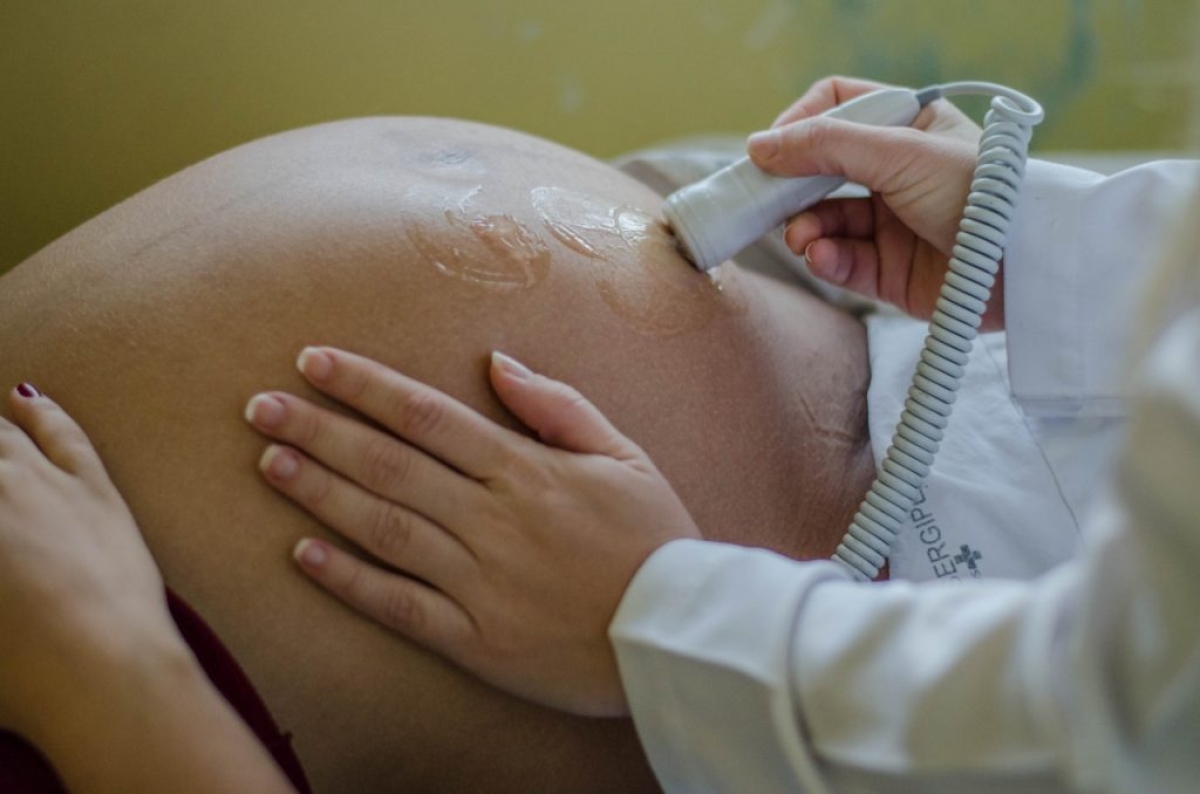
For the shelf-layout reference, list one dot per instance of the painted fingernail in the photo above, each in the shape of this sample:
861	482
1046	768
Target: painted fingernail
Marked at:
278	464
510	365
265	411
28	390
314	363
310	553
764	145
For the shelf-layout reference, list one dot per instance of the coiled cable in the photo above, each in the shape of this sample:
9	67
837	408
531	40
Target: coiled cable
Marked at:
979	247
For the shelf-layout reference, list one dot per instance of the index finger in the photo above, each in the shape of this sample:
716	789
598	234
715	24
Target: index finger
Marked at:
826	94
414	411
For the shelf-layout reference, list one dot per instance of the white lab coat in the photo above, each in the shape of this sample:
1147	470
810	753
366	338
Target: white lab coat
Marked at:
750	672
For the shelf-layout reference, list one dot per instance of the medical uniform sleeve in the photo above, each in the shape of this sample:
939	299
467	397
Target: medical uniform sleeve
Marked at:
746	671
1081	246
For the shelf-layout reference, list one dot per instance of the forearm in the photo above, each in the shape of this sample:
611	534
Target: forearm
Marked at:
148	720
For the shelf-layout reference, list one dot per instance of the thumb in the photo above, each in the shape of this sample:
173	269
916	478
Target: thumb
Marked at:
873	156
560	415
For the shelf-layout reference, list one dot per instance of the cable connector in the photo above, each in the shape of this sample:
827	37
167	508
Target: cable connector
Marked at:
929	94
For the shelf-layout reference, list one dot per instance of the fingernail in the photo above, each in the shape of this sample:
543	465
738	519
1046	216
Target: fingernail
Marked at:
310	553
314	363
791	238
510	365
265	411
840	274
278	464
837	273
28	390
764	145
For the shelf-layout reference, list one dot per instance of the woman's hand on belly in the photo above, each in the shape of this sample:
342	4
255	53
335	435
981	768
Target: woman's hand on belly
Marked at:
76	579
508	556
92	669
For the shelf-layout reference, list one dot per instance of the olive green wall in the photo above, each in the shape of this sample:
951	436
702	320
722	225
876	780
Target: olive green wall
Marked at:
99	99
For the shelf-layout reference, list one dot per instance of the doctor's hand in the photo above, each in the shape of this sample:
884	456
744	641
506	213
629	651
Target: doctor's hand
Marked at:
894	245
504	554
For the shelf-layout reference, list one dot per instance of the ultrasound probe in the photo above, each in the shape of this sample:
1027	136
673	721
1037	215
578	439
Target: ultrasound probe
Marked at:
716	218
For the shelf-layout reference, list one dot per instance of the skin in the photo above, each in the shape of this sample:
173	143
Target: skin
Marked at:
73	561
156	322
464	521
510	554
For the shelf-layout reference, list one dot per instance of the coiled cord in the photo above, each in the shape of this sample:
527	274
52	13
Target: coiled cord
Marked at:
975	260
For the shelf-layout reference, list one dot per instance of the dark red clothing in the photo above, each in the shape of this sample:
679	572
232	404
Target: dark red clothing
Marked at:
23	770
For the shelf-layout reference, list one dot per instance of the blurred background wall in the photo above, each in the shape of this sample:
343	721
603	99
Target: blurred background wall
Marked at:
99	98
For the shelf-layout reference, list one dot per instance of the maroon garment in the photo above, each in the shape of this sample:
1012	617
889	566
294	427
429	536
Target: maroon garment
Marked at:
23	770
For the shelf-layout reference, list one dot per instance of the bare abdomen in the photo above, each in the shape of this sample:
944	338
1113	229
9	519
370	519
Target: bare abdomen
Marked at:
154	323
